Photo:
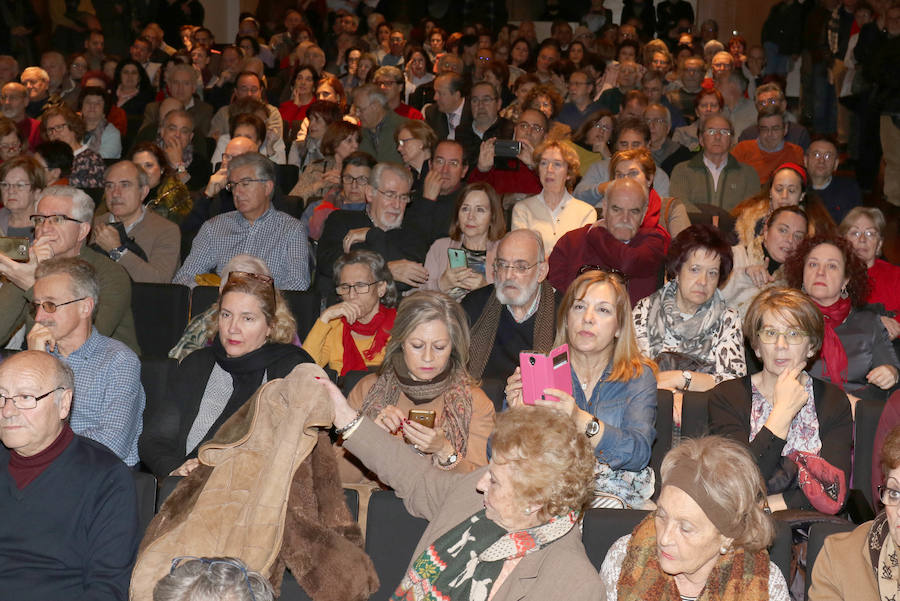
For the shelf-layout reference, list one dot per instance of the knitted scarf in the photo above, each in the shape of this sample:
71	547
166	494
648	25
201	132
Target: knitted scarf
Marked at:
833	352
737	575
379	326
463	564
696	335
883	558
484	332
452	384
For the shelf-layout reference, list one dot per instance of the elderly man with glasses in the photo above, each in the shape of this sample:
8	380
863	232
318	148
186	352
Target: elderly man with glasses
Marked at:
256	227
391	82
70	517
62	222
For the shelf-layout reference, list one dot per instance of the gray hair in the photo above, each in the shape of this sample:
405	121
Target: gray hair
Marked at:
770	87
377	265
718	115
855	213
142	178
82	274
263	168
372	92
380	169
535	237
177	113
660	107
710	45
35	71
213	579
187	69
388	71
624	183
82	204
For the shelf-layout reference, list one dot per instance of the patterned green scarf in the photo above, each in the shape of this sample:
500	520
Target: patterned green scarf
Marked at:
464	563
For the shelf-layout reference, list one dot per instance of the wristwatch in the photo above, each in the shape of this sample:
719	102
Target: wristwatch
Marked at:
116	253
687	379
592	428
450	460
181	168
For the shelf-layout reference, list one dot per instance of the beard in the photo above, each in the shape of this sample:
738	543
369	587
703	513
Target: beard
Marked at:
522	294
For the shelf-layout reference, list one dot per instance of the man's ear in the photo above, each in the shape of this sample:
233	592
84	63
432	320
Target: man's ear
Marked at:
87	307
65	403
84	229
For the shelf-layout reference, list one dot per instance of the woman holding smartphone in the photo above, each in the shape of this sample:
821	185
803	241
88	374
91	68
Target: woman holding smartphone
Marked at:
784	415
424	369
614	387
456	265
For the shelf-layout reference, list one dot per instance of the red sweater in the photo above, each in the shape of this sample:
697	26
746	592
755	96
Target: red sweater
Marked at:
519	179
25	469
884	278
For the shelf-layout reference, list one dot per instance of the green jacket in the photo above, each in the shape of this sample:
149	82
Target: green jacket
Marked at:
380	142
691	182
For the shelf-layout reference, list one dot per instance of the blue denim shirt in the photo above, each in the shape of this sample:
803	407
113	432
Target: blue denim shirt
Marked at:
628	412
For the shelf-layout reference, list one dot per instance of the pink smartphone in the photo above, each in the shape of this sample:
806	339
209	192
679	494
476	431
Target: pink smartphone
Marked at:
545	371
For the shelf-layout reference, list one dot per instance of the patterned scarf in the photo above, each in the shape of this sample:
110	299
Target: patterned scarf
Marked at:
456	416
737	576
695	335
464	563
803	433
379	326
883	558
94	137
833	352
484	332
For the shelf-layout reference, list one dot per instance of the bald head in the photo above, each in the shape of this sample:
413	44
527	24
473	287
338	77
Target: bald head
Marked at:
236	147
13	100
624	206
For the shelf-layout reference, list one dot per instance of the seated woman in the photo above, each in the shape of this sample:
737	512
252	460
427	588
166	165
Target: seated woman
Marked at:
546	98
307	147
857	354
167	196
476	228
424	368
253	346
229	577
522	86
591	140
21	182
415	143
707	102
60	123
303	93
707	538
10	142
785	416
101	136
132	88
247	117
554	211
695	339
864	228
340	140
614	387
786	188
758	265
860	564
352	335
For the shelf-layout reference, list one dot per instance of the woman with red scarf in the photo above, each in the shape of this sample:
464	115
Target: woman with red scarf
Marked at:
857	354
351	336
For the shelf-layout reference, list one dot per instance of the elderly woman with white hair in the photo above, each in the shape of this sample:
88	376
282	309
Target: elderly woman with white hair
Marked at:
206	578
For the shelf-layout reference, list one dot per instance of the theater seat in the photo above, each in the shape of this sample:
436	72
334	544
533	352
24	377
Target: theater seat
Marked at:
391	537
817	535
160	315
202	298
603	527
306	306
145	485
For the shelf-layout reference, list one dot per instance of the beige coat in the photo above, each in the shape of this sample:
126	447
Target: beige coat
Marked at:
559	572
843	570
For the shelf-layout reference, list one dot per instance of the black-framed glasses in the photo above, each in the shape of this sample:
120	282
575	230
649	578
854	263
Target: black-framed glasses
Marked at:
39	220
610	271
210	563
243	184
50	306
888	496
518	267
360	180
26	401
359	287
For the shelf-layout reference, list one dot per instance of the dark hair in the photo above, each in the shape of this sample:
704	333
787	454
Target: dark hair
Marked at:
497	227
358	159
259	78
632	44
57	155
631	124
328	111
410	50
144	86
457	82
253	41
336	133
305	67
696	237
248	119
584	51
95	91
548	90
580	135
787	209
164	167
854	269
72	119
529	60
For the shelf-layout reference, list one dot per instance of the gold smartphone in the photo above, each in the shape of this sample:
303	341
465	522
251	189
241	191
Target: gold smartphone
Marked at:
426	418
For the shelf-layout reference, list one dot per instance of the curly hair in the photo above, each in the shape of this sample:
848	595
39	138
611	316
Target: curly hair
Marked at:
548	90
271	303
580	135
700	236
377	265
551	462
854	269
33	171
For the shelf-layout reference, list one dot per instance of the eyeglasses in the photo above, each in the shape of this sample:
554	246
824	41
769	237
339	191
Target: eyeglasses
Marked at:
50	306
39	220
8	147
242	184
889	496
57	128
122	185
483	99
791	335
359	287
20	186
391	195
525	126
721	131
656	121
29	401
818	154
214	562
859	234
349	180
769	102
518	267
603	126
243	277
485	59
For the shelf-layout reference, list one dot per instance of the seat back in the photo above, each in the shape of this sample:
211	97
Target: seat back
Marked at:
160	315
286	177
780	551
868	413
817	535
694	415
603	527
145	486
306	306
391	537
202	298
663	441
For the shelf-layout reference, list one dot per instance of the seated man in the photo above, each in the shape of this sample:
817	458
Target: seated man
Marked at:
378	123
666	152
627	80
248	84
182	84
13	100
70	516
449	109
255	228
391	81
682	92
581	101
184	148
739	109
377	228
714	176
838	193
37	82
770	149
516	313
62	222
144	243
247	118
616	242
109	398
486	121
771	95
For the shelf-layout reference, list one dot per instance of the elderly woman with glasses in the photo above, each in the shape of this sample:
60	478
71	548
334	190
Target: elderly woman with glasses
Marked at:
62	124
614	388
864	228
21	182
252	335
794	424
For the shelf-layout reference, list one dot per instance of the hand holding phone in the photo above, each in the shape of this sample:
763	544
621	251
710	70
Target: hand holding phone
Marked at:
540	372
457	258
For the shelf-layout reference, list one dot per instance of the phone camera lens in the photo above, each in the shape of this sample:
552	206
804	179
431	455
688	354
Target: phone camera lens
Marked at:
531	360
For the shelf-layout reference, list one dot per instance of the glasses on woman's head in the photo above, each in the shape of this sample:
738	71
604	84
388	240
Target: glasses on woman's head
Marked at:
214	562
612	272
245	277
791	335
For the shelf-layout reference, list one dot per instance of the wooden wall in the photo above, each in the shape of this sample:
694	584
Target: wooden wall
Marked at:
745	17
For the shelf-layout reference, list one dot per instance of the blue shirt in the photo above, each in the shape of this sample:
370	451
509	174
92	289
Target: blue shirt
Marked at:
277	238
628	412
571	116
108	405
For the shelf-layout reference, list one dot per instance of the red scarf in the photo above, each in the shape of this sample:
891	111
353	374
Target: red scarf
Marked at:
380	326
832	350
